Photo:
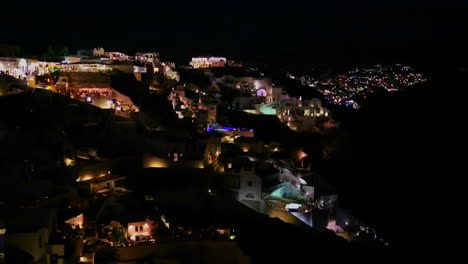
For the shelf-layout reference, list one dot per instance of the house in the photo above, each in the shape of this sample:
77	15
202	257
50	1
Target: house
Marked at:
246	187
99	52
91	83
141	231
30	241
298	114
21	67
301	114
103	183
147	57
117	56
205	62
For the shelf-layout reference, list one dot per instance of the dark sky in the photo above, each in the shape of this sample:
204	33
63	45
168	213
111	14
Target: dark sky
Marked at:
337	31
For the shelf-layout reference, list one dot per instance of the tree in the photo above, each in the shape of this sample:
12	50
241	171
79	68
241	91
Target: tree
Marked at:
63	51
118	233
55	74
49	53
55	51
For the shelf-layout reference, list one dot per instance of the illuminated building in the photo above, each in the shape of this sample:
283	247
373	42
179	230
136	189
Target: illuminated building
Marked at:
99	52
142	231
247	188
260	90
88	82
20	68
170	74
298	114
86	67
147	57
205	62
118	56
301	115
104	183
262	87
71	59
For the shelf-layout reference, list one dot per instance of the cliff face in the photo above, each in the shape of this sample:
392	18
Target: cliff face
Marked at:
10	85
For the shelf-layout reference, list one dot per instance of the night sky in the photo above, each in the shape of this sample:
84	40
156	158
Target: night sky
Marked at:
296	32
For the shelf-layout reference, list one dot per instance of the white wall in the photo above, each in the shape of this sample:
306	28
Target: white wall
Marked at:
60	251
134	229
250	184
29	242
310	190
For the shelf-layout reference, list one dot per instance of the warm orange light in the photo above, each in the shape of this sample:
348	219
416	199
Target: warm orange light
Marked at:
301	154
86	177
69	162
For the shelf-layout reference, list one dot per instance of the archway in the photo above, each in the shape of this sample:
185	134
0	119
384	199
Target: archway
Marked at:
261	92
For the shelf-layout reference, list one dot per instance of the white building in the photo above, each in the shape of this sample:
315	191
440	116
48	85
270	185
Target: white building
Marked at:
117	56
27	233
301	115
298	114
141	230
205	62
21	68
99	52
33	242
147	57
247	188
